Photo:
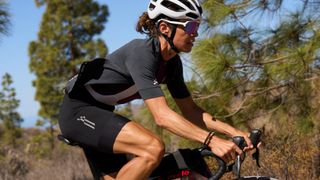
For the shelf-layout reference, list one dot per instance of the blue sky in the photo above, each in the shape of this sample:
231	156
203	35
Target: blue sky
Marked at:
26	18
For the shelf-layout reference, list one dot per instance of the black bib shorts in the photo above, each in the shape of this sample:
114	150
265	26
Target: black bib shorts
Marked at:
95	127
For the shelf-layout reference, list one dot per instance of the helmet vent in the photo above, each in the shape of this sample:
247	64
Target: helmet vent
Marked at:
172	6
192	15
188	5
197	6
151	7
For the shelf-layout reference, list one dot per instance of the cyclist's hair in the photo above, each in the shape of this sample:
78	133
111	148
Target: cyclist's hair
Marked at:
147	26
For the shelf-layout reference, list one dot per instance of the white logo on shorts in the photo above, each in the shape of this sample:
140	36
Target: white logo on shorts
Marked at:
155	82
86	122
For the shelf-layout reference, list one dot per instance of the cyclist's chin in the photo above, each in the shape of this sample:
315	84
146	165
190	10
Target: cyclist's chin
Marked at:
186	49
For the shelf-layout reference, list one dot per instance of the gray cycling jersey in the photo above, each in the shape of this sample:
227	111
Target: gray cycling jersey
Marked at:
135	71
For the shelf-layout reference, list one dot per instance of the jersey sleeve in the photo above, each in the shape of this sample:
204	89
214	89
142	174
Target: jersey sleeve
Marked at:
142	68
175	82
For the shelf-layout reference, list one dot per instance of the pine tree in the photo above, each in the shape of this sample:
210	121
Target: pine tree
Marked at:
248	66
259	58
10	118
4	18
67	37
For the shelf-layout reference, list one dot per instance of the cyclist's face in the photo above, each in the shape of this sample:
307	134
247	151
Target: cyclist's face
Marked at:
184	41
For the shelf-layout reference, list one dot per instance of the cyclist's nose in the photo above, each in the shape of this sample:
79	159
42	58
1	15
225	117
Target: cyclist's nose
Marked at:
195	34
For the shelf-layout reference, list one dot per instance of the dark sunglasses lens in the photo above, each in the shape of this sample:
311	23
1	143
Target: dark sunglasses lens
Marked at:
191	27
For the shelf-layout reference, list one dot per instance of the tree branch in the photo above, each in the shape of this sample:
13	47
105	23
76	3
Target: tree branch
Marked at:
198	96
241	107
274	60
262	91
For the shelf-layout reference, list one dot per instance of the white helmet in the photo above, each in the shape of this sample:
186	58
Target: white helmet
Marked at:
185	9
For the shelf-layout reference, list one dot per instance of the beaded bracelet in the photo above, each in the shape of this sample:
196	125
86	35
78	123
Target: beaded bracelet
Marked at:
208	138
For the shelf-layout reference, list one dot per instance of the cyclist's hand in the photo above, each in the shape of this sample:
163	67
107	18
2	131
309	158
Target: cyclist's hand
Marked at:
246	135
249	146
226	150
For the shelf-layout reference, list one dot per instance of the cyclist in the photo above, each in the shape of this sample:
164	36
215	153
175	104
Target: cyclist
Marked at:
135	71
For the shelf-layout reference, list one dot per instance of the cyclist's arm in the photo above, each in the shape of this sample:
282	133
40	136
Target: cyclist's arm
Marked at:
166	118
177	124
203	119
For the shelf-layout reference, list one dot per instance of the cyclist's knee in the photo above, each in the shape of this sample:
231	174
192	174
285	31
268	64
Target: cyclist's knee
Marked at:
154	151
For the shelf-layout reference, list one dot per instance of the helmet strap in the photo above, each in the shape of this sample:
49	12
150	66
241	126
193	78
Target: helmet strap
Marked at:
170	39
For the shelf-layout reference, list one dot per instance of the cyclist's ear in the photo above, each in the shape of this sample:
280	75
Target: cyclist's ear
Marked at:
164	28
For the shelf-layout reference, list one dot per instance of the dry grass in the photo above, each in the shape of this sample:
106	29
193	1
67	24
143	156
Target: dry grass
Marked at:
286	155
62	164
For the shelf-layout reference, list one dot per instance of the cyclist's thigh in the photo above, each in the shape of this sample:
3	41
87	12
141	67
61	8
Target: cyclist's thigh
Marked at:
90	125
134	139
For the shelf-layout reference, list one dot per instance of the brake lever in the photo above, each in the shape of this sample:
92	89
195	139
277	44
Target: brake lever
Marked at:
236	166
255	137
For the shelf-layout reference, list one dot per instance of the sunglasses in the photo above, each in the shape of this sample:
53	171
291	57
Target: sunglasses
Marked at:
190	27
